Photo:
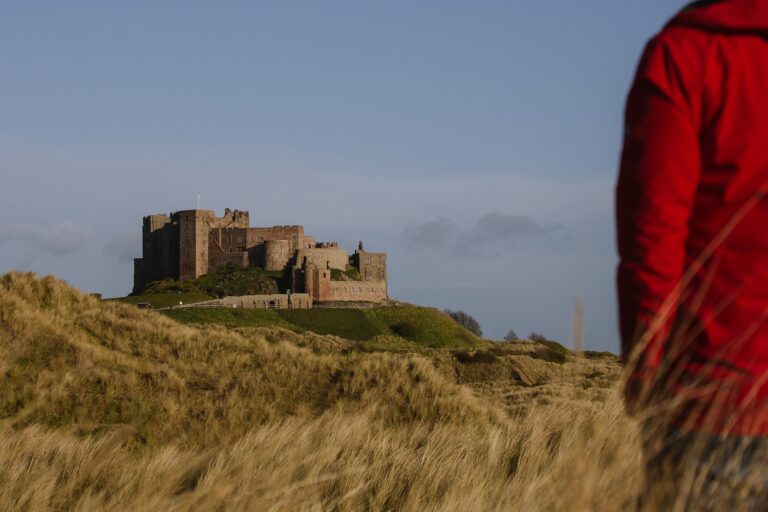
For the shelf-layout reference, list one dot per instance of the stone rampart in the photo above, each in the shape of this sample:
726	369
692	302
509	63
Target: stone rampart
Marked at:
358	291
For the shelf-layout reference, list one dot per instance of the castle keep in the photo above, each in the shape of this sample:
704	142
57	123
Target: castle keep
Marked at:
190	243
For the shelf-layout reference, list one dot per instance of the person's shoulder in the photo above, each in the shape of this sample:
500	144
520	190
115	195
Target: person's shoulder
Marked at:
681	36
684	45
676	55
680	31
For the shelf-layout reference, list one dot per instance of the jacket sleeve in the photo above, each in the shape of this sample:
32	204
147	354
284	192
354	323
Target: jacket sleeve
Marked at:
659	174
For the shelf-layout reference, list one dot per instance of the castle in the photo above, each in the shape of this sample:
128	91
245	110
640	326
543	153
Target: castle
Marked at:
190	243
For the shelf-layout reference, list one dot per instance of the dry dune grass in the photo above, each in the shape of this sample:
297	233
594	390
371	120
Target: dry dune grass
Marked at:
103	406
553	459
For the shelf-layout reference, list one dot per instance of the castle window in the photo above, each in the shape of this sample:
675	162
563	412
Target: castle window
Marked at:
368	261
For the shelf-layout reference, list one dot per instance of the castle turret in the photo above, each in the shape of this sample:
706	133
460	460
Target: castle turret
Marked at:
277	254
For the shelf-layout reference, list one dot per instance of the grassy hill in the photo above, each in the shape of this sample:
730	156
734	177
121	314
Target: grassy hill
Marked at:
397	326
106	406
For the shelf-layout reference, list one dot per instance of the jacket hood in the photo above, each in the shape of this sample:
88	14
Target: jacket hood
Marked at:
732	16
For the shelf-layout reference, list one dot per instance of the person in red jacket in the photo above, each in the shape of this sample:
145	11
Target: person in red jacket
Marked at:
692	232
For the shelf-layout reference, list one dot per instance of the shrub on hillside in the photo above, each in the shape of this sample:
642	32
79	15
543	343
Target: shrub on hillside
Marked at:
554	351
466	321
511	336
551	353
406	329
170	285
249	281
228	281
592	354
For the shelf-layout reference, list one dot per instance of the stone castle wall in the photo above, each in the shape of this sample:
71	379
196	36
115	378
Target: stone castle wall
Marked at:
372	265
317	282
159	250
330	257
277	254
231	219
230	239
219	259
294	234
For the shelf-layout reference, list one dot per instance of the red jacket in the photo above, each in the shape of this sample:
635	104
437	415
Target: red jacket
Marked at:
692	221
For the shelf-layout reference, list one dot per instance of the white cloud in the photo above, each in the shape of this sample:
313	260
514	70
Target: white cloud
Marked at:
436	234
57	239
492	233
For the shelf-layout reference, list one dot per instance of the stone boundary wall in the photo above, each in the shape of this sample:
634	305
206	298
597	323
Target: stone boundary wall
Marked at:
347	305
274	301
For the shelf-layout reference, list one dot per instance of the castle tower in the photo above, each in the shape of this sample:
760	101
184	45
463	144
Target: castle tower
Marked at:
194	230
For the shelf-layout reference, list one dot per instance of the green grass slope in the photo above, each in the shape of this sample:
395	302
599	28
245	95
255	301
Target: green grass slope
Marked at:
397	325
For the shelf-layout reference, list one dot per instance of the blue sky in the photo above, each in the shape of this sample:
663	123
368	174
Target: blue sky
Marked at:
476	142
